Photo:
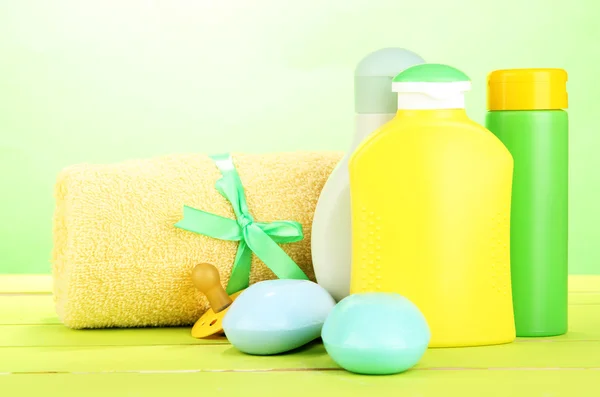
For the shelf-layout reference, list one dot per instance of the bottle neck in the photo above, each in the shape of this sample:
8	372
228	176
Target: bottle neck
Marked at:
456	114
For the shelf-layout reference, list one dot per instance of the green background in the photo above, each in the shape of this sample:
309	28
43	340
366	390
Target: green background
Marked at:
103	81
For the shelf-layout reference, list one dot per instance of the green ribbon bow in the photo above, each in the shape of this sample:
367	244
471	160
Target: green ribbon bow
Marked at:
258	237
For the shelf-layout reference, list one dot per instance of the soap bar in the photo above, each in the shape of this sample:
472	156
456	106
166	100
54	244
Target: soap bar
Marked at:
276	316
376	333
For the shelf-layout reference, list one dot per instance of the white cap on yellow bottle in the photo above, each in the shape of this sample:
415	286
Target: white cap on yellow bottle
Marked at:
431	86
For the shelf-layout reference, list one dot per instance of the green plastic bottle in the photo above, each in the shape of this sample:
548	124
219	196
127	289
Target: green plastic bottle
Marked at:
526	112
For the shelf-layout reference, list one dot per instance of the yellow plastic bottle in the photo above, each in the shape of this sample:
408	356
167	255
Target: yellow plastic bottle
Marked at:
430	199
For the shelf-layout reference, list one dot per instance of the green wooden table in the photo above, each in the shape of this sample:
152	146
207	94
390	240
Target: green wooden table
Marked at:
41	357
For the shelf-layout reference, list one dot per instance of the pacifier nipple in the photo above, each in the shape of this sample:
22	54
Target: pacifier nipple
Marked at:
206	280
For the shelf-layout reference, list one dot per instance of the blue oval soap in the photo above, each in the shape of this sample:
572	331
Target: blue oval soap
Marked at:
376	333
276	316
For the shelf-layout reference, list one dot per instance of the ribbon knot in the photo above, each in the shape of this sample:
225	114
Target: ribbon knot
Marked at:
245	220
262	238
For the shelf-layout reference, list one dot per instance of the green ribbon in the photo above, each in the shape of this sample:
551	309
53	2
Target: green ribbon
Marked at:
259	237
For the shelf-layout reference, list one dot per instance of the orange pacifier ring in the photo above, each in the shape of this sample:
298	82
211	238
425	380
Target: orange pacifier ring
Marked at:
211	323
206	279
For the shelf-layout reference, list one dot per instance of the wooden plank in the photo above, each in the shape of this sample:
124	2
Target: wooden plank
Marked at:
415	383
584	325
156	358
584	298
584	283
516	355
61	336
29	284
27	309
225	357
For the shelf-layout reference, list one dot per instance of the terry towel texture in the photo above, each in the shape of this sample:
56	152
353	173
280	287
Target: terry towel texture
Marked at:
118	259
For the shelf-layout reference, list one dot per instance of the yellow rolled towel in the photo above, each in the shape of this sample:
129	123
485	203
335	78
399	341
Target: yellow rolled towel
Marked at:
119	261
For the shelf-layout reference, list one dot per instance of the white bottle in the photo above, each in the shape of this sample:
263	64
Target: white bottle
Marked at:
375	104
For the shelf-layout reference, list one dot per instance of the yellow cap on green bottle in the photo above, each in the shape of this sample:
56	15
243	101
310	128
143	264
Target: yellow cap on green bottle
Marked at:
527	89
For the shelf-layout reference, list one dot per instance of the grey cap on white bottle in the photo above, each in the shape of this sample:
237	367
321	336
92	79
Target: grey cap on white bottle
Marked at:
373	79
